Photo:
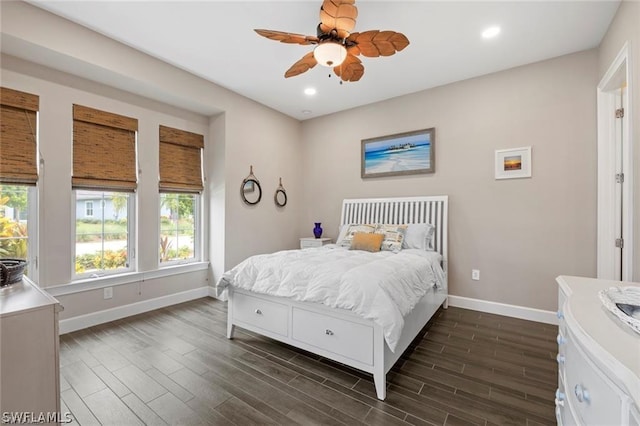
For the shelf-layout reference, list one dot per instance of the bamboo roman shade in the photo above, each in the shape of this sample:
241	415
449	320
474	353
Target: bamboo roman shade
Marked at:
180	160
18	146
104	150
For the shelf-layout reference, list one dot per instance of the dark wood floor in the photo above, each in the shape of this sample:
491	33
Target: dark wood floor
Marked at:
175	366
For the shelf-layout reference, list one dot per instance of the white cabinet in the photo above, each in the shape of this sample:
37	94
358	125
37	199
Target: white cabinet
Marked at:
309	242
598	358
29	360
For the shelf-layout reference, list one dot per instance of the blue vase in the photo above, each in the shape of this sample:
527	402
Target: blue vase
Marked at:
317	230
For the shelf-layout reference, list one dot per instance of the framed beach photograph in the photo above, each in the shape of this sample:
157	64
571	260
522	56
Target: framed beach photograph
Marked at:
513	163
407	153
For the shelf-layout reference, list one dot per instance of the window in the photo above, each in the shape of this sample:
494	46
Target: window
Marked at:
103	239
180	187
104	180
19	176
17	213
88	208
178	230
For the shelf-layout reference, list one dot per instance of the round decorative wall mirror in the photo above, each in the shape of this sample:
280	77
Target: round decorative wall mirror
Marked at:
280	197
250	190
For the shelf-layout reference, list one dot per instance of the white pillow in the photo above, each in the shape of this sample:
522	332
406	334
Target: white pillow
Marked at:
419	236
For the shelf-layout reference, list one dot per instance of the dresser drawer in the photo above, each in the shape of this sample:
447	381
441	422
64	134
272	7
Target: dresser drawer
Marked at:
264	314
342	337
593	397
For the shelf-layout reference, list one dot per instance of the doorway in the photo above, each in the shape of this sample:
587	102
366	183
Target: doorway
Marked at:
615	172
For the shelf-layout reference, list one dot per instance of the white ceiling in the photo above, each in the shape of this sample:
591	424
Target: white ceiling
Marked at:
215	40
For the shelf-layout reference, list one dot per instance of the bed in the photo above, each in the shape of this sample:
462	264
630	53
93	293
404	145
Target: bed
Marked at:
340	334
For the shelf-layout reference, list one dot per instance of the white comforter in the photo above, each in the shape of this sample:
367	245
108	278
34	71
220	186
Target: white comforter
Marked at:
382	286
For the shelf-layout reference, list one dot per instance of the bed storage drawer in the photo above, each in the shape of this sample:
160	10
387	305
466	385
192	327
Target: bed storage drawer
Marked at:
342	337
264	314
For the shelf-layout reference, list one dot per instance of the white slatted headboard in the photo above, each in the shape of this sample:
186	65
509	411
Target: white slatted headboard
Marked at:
398	211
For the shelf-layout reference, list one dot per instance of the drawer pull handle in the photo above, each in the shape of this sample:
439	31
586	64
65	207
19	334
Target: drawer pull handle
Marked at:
328	332
560	359
560	315
560	397
561	339
258	311
582	394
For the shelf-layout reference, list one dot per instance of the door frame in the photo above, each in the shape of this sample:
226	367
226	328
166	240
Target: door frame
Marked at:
607	221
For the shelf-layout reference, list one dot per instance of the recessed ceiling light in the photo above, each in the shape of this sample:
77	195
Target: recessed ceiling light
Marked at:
306	111
310	91
491	32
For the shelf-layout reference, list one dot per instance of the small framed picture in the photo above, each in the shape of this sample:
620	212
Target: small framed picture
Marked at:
513	163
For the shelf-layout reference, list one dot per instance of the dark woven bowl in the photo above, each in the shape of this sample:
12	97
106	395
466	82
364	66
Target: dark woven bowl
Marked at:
11	271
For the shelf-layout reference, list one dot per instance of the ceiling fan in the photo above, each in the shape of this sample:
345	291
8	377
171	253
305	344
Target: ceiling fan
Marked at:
336	45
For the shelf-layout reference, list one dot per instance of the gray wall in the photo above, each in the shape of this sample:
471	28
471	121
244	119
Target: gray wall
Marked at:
626	27
520	233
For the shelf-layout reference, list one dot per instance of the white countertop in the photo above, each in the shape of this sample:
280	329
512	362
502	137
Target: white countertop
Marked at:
23	296
613	337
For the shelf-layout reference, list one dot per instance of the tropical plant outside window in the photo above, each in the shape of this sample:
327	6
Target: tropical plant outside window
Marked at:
178	227
14	209
102	232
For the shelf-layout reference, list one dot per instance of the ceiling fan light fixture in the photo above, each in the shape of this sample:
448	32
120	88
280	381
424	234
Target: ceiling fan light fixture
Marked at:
330	54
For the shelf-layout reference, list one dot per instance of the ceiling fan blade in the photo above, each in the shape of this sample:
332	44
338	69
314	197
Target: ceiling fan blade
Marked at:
339	15
350	70
303	65
288	37
376	43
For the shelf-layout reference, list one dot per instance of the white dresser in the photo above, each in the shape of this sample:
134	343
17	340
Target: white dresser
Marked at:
598	358
29	363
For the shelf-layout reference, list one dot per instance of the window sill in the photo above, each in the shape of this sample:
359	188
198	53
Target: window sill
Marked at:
122	279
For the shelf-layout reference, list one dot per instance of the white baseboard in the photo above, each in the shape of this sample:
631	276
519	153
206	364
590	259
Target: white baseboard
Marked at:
513	311
89	320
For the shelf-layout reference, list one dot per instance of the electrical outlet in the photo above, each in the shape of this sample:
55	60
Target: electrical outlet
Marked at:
475	274
108	292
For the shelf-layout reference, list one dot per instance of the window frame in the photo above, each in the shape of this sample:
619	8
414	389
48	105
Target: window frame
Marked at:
197	231
131	241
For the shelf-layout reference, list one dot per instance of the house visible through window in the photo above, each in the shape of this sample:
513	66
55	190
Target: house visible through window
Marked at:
102	235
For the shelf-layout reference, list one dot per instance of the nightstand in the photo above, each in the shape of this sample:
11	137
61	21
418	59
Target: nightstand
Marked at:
308	242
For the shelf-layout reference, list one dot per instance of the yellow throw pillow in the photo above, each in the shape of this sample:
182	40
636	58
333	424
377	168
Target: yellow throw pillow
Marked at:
345	241
366	241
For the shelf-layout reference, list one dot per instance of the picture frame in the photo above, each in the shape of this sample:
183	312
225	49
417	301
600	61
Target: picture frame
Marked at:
513	163
400	154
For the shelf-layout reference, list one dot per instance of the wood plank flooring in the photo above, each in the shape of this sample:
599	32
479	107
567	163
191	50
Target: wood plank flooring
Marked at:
175	366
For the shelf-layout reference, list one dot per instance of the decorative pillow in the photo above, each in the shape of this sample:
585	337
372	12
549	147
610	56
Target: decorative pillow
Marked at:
345	241
367	241
419	236
393	236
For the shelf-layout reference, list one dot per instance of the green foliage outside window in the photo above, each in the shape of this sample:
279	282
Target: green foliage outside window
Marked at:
13	230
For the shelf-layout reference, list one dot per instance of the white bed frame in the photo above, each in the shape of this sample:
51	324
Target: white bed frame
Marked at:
339	334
